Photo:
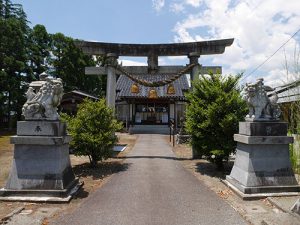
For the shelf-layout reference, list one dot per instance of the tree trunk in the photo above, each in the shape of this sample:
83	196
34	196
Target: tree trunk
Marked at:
93	162
9	111
219	163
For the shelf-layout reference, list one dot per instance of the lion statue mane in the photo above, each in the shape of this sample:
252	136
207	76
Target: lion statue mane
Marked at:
262	106
43	99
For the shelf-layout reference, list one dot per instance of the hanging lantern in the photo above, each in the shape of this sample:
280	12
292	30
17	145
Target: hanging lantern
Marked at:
153	93
171	89
135	89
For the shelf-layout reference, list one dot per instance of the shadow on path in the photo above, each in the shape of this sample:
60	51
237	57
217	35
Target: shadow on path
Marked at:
210	169
102	170
151	157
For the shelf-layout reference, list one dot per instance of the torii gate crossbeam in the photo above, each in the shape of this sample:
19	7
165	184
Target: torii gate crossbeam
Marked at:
193	50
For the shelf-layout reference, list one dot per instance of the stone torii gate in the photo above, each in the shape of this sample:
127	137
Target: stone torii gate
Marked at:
193	50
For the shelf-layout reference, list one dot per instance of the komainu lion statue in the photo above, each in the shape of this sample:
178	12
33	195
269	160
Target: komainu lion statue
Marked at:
43	98
261	106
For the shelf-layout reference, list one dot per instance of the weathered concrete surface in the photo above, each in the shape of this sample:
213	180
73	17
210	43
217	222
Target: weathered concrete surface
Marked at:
40	140
262	164
263	128
111	87
155	189
41	168
174	49
41	128
263	140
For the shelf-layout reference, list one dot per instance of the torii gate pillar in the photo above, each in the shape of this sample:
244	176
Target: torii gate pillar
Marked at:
194	56
111	83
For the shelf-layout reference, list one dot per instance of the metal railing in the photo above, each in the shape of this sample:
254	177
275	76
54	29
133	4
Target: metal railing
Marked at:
172	126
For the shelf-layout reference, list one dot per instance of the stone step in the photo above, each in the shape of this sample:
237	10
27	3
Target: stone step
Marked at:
149	129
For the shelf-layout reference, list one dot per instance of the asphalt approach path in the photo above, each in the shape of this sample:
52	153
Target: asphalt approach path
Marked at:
154	189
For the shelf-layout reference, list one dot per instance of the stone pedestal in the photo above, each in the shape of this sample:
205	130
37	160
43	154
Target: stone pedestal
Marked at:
41	169
262	166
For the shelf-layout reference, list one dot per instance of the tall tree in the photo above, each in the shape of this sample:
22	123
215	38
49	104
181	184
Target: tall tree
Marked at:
39	51
13	58
68	63
26	52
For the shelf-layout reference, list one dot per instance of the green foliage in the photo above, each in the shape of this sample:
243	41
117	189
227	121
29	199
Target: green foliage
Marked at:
213	113
293	158
39	50
93	130
295	153
25	53
13	58
68	63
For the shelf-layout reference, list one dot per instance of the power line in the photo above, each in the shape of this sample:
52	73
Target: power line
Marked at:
260	65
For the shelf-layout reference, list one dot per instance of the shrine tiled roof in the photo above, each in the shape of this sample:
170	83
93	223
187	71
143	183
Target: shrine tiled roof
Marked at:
124	87
289	92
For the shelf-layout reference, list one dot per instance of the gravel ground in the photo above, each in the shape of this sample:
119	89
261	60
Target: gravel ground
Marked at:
93	179
257	212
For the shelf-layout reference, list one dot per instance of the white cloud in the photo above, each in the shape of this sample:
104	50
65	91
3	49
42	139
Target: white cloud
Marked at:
177	7
275	78
158	4
259	27
172	60
177	58
126	62
194	3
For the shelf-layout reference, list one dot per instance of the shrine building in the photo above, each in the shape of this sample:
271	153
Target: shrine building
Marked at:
151	95
141	105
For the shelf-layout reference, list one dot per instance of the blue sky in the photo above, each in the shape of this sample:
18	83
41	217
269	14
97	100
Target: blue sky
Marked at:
258	26
132	21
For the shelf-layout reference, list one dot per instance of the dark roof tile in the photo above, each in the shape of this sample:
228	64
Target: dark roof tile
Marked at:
124	86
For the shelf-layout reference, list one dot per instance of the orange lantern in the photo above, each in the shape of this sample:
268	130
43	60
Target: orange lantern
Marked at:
153	93
171	89
135	89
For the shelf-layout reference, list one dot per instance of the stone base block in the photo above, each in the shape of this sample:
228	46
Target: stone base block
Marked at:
262	166
41	128
263	128
41	169
280	191
40	140
41	195
263	189
45	167
263	140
